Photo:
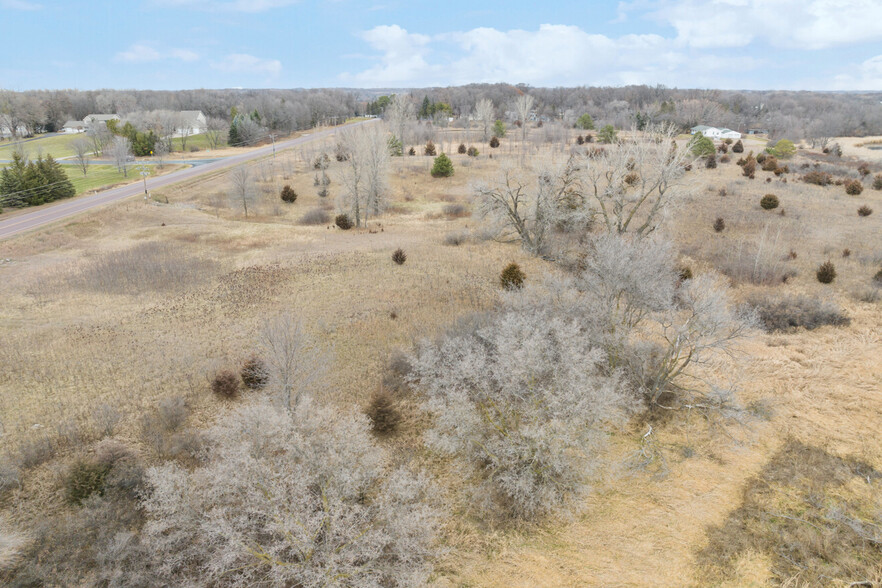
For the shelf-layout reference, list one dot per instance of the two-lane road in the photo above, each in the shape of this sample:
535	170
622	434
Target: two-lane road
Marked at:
67	208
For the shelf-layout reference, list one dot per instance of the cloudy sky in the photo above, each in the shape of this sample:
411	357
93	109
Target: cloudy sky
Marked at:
175	44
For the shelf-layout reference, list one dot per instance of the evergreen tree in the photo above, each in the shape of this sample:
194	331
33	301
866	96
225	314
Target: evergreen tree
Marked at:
443	167
701	146
585	122
607	134
12	181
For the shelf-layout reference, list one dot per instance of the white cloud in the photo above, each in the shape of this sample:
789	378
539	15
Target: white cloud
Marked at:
145	53
19	5
184	55
138	54
551	55
866	76
244	63
799	24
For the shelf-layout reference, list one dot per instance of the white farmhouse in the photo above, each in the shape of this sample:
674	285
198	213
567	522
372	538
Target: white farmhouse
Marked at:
716	133
91	119
192	122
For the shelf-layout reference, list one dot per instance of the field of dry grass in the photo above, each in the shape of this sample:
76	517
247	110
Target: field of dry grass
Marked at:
140	302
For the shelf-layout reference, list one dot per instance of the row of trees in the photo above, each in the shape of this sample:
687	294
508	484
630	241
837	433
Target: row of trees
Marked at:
285	111
29	183
813	116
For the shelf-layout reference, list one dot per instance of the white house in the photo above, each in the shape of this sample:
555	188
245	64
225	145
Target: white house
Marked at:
192	122
91	119
73	126
20	131
715	133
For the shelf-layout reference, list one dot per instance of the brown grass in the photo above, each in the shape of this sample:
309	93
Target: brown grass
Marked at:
76	341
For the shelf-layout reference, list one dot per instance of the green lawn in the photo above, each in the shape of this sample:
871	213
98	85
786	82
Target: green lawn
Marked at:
200	141
98	176
106	175
57	146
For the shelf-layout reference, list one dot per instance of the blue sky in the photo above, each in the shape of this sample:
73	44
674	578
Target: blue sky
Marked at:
177	44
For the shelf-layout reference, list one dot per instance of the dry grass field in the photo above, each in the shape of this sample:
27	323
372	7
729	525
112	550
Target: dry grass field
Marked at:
113	311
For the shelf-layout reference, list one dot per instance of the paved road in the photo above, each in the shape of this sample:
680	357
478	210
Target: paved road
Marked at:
67	208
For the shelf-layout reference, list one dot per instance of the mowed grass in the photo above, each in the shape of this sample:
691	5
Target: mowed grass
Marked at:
135	303
97	177
57	146
101	176
199	141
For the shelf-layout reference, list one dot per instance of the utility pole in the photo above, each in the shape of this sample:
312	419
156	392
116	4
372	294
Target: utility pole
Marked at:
144	170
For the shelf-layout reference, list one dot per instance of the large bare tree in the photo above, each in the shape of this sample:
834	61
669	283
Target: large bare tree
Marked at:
121	152
244	189
214	128
484	114
365	172
523	108
82	148
398	115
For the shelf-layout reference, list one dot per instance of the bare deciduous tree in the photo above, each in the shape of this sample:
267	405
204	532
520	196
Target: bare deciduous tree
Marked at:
634	184
647	323
298	499
484	113
82	148
293	362
160	150
523	397
244	190
365	172
121	152
399	114
524	205
214	128
100	136
523	108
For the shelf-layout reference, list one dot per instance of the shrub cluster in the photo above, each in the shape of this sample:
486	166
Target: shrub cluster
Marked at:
461	149
383	412
826	272
254	373
877	182
225	384
288	194
343	221
494	142
473	152
865	210
769	202
719	225
853	187
818	178
399	256
430	149
512	277
316	216
785	313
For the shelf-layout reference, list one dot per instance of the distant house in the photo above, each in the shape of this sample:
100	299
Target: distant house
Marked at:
20	131
757	131
192	122
91	119
715	133
74	126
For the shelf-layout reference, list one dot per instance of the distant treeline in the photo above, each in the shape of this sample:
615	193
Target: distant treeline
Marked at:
814	116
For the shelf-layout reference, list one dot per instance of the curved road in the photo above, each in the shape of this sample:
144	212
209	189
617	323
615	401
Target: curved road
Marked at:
64	209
